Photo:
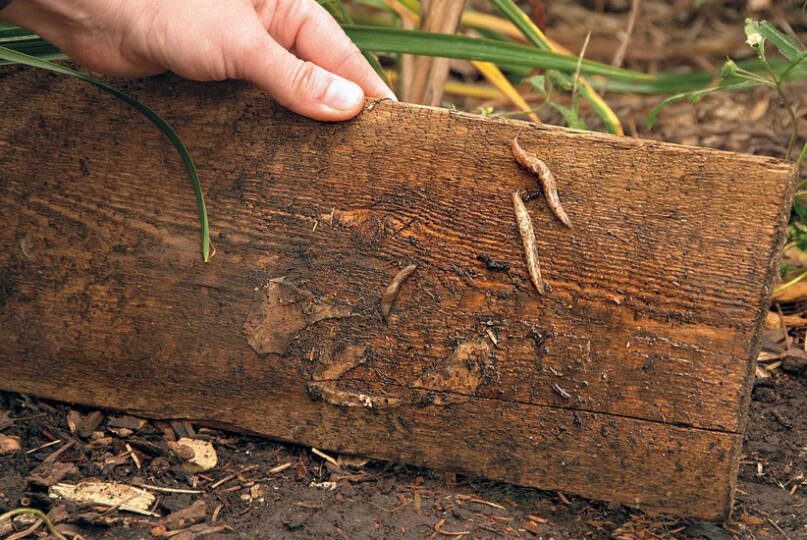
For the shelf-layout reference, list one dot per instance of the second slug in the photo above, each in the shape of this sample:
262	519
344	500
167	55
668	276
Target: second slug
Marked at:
548	182
528	240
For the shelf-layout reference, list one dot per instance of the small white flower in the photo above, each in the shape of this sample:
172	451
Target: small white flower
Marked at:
754	39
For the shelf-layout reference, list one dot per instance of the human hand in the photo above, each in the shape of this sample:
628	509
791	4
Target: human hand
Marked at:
293	49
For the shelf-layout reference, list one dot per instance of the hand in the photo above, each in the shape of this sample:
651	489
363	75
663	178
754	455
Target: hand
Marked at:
293	49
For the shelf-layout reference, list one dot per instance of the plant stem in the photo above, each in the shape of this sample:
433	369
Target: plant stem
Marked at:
801	155
794	136
790	283
577	71
34	512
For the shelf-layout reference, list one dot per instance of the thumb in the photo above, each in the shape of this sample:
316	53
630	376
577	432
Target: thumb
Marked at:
303	87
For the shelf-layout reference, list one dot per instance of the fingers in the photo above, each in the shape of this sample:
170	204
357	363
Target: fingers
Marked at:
308	30
301	86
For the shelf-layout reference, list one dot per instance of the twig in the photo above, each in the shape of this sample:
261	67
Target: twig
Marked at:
280	468
223	480
170	490
619	56
489	503
577	69
42	447
26	532
777	527
325	456
133	456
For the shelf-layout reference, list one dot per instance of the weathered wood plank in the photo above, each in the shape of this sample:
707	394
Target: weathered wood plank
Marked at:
629	381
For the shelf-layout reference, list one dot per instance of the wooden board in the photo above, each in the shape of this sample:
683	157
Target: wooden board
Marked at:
629	381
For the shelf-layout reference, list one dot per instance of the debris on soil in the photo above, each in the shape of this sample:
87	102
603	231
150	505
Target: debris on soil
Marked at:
9	444
197	456
190	515
385	500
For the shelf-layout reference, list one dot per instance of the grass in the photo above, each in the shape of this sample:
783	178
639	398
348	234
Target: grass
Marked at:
12	56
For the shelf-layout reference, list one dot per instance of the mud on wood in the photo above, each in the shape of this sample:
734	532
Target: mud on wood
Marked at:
628	380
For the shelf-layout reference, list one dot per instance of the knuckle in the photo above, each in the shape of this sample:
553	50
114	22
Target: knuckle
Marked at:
304	80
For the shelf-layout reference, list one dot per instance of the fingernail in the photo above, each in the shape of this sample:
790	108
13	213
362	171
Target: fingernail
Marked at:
343	95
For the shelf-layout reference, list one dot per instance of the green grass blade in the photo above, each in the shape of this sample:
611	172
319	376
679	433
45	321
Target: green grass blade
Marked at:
696	96
396	40
15	57
515	15
674	83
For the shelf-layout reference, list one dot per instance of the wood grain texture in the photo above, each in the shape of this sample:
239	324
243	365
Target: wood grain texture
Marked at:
627	381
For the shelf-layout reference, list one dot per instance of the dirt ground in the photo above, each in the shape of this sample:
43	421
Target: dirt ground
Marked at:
265	489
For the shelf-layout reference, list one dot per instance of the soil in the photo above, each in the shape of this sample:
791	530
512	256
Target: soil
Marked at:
246	496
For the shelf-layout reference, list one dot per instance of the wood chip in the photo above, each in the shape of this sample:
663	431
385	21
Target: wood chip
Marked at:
189	515
127	422
9	444
113	494
162	489
528	241
197	455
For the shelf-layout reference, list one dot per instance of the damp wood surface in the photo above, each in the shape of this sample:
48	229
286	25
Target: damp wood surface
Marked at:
628	380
